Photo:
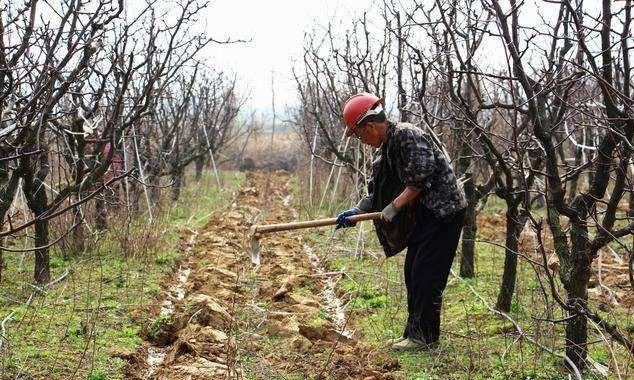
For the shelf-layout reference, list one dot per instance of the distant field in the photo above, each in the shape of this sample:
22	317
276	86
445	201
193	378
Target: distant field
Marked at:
261	153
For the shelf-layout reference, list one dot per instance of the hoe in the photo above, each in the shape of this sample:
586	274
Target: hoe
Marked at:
257	230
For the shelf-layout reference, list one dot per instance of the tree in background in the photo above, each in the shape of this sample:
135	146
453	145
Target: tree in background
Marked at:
76	92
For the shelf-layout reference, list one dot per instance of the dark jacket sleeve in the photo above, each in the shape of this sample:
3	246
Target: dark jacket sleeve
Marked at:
418	157
365	204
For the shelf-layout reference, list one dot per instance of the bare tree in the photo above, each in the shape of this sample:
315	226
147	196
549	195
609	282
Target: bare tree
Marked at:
73	89
549	104
195	119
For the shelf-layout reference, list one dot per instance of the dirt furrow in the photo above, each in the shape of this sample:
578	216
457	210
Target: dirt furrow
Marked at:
280	318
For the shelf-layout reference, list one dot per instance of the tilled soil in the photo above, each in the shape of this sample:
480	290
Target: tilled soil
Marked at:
229	319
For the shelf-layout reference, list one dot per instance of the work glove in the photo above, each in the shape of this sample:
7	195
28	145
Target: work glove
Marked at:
390	213
342	219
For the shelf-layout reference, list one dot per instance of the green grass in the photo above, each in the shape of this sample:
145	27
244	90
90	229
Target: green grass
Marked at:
476	344
97	307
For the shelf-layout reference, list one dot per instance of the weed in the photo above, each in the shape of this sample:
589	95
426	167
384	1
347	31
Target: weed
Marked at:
152	290
160	324
319	321
58	262
97	375
167	258
515	306
336	266
349	286
533	285
75	335
600	355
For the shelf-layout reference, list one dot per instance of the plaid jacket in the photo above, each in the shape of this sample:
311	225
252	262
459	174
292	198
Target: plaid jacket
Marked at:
408	158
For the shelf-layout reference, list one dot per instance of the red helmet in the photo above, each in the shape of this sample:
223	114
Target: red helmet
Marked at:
356	108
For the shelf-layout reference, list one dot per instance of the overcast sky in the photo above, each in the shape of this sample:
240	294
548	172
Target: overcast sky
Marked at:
276	29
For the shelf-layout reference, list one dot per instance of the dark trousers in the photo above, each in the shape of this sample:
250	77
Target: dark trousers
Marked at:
430	252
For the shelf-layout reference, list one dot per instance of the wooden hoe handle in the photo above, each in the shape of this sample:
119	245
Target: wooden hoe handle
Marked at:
312	223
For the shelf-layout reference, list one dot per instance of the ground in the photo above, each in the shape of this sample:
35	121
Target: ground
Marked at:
88	324
275	320
320	307
322	304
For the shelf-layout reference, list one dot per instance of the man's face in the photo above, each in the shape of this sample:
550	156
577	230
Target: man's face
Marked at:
370	133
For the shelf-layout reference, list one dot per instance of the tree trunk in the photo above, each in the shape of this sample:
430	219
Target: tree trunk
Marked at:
200	165
37	201
577	327
402	95
572	190
79	233
135	193
42	261
630	213
576	286
4	243
177	183
513	230
101	213
467	257
1	264
155	190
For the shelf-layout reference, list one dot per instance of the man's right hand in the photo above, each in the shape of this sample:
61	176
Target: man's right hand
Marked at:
342	219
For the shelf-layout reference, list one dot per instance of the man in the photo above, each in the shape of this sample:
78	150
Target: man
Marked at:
422	209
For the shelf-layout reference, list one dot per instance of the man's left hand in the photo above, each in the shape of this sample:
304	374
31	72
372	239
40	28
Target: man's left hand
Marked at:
389	213
342	219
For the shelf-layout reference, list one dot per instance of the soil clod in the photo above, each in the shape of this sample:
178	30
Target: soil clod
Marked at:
234	319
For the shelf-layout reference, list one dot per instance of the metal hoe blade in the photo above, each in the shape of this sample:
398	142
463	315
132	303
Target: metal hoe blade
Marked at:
255	246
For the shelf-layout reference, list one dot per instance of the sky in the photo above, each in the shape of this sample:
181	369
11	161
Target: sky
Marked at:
276	29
